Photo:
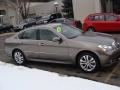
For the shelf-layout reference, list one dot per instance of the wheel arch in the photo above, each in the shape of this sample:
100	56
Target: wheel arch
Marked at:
85	51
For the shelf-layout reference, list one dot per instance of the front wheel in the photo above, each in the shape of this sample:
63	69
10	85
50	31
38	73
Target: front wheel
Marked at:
24	27
88	62
91	29
18	57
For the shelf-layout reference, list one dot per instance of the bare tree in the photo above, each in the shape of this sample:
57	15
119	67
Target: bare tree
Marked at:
8	3
23	8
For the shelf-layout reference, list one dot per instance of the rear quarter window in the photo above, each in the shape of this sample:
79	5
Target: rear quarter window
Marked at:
110	18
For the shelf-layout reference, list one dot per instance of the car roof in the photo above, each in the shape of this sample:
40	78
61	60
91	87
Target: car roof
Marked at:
51	25
101	14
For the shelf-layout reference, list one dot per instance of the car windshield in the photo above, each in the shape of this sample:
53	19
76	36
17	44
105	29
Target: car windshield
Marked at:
68	31
46	17
22	22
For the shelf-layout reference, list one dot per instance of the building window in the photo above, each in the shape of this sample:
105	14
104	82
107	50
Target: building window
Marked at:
110	6
1	20
116	6
2	12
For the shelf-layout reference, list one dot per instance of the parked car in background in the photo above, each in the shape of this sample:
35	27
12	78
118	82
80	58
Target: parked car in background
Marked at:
49	18
67	21
43	20
59	43
4	27
102	22
37	17
25	24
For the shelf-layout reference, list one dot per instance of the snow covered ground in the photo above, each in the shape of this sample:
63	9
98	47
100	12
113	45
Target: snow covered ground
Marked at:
22	78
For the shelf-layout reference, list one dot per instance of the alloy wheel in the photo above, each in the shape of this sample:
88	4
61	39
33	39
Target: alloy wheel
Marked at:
91	29
87	63
18	57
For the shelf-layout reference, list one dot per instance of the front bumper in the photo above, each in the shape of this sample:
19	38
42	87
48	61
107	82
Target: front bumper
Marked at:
111	59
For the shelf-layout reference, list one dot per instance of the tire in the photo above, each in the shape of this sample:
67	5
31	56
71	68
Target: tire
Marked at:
5	31
12	30
88	62
91	29
18	57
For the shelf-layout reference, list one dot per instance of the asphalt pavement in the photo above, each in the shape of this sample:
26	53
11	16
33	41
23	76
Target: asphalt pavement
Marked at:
109	75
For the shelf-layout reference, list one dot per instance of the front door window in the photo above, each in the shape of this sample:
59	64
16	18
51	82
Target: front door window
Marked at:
47	35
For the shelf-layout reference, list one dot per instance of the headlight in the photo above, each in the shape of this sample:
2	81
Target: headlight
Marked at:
106	48
116	45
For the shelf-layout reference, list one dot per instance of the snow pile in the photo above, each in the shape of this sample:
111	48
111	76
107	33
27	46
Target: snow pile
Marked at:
22	78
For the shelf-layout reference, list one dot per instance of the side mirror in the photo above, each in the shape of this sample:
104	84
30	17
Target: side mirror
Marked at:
57	39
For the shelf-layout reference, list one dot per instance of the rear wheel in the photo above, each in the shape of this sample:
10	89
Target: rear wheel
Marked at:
12	30
91	29
88	62
18	57
24	27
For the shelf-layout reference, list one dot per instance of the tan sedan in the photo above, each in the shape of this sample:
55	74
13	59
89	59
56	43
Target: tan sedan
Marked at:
58	43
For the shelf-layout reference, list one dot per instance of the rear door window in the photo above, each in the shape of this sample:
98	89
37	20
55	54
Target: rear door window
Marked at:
29	34
110	18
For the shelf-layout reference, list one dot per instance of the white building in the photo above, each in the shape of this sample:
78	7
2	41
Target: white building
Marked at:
82	8
8	13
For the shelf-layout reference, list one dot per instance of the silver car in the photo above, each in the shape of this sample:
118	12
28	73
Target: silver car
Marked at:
59	43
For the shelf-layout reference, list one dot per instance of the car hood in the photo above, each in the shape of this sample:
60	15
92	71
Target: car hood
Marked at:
95	37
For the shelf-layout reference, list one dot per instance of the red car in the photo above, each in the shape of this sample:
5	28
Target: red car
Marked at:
71	21
102	22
